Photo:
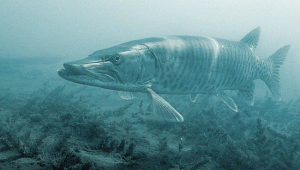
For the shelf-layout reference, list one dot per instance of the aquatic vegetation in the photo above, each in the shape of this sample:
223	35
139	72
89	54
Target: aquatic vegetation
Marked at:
118	112
244	140
59	128
47	123
163	144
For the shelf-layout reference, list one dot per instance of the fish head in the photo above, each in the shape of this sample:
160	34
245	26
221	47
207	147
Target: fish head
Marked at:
123	67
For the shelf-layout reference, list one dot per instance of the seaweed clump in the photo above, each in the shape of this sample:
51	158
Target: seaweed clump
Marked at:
250	139
55	128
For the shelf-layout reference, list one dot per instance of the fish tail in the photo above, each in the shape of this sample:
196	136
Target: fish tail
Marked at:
273	64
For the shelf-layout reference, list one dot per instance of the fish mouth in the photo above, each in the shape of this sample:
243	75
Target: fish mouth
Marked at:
78	74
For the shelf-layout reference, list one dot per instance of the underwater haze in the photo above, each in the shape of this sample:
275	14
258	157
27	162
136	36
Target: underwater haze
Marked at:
50	123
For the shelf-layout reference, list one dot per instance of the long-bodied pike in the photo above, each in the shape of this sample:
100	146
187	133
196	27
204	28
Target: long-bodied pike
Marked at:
179	65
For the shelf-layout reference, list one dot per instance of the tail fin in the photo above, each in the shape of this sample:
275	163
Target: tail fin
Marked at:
275	61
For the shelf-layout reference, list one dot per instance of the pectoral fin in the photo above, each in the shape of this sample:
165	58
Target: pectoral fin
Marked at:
194	97
126	95
228	101
199	97
163	108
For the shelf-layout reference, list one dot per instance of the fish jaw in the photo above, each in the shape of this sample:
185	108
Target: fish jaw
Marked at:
99	74
93	73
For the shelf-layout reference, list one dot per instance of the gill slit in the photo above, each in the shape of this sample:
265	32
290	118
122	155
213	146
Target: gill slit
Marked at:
157	64
140	65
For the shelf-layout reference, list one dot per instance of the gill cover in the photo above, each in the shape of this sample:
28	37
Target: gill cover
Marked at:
138	67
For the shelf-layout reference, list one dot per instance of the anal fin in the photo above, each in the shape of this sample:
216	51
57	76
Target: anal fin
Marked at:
164	109
228	101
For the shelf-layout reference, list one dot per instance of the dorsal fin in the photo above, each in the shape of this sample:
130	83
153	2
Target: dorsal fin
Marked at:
251	39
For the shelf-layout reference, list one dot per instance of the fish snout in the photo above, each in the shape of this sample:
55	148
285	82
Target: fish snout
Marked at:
73	67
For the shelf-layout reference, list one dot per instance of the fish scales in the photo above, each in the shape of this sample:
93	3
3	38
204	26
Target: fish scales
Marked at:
236	60
202	65
197	67
229	57
227	52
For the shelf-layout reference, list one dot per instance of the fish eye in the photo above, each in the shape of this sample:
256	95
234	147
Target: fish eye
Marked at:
117	59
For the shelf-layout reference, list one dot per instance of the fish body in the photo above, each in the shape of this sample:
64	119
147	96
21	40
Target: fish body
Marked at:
196	65
180	65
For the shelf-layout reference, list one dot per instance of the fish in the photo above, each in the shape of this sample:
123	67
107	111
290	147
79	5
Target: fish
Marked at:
183	65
